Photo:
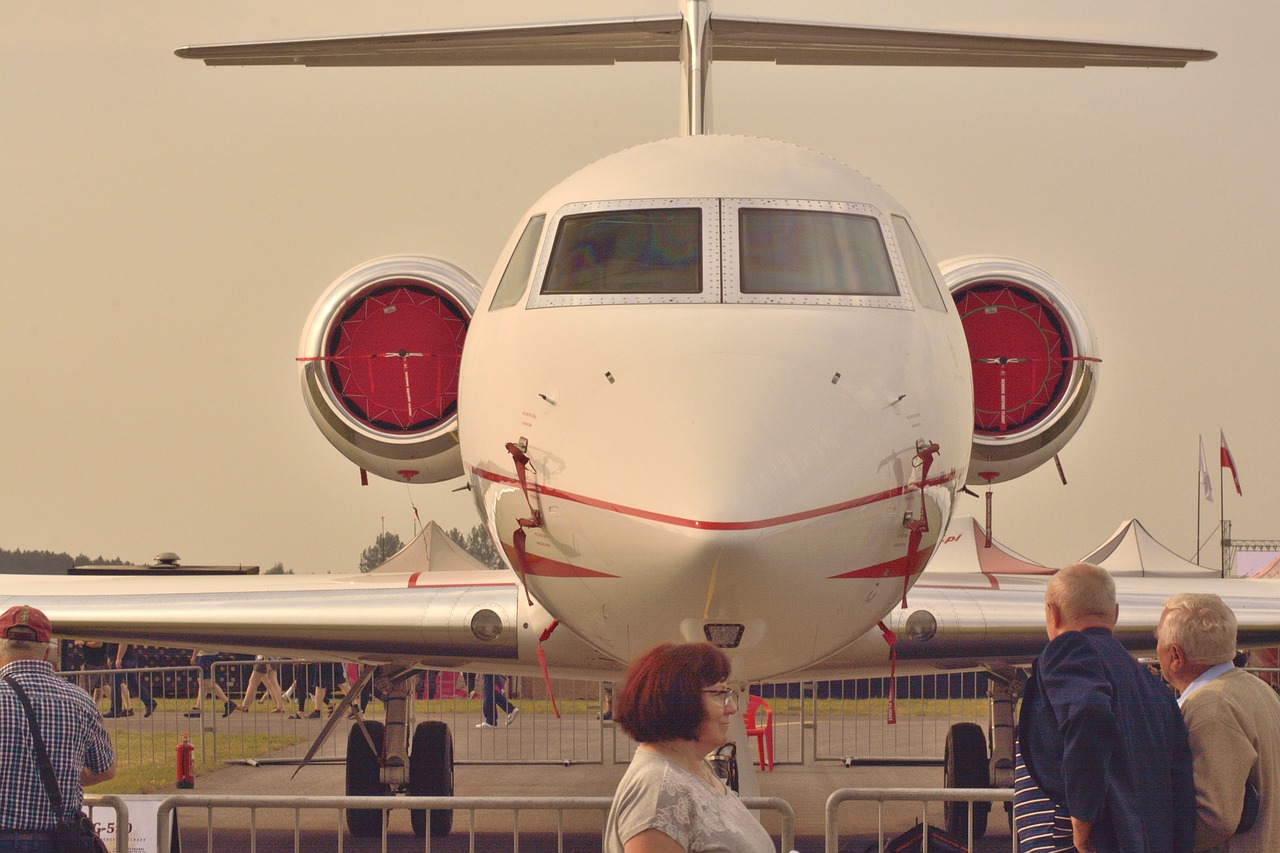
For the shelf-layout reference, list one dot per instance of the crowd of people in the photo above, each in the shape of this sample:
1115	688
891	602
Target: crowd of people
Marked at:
1107	759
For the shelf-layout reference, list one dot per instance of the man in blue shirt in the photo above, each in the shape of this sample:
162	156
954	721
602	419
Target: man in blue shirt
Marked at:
77	741
1099	734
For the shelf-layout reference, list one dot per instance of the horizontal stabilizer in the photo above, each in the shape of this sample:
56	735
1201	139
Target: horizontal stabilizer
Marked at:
658	38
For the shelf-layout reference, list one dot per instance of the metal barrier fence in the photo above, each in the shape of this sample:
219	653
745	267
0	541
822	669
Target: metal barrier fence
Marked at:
851	717
823	721
117	829
467	811
923	796
533	736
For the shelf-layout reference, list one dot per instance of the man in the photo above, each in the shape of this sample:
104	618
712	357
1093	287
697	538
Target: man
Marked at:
1233	720
74	734
1099	734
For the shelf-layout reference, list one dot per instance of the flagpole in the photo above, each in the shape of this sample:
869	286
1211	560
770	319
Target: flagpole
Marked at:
1199	498
1222	521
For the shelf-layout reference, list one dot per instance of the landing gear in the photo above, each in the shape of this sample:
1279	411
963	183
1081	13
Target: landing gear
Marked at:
387	766
431	775
965	765
364	771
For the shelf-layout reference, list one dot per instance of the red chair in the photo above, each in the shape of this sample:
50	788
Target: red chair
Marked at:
763	733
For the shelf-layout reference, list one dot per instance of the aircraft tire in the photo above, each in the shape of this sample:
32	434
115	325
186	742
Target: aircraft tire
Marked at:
363	779
965	765
431	775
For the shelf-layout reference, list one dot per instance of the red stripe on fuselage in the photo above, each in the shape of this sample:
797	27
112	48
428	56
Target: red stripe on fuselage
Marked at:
677	521
545	567
413	583
899	567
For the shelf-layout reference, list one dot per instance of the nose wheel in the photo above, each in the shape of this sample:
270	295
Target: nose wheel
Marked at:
377	760
965	765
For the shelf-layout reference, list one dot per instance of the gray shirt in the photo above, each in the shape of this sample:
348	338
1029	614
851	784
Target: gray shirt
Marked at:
657	794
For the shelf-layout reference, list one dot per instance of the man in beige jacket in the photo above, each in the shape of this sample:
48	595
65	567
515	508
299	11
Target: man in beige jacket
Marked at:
1233	720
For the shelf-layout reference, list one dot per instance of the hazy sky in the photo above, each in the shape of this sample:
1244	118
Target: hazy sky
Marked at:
167	227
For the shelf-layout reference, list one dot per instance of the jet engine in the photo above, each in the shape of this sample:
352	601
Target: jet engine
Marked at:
1035	363
379	362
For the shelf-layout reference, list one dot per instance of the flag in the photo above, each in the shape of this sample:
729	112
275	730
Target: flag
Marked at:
1205	483
1228	462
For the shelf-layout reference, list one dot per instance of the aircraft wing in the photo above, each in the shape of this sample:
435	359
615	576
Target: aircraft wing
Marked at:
658	38
442	619
956	621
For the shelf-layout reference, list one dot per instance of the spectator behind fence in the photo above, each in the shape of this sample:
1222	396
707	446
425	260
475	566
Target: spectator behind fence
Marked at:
264	675
674	702
1099	735
75	737
205	660
126	683
1233	720
94	661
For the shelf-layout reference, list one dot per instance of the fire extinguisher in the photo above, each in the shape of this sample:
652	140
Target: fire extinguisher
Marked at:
185	763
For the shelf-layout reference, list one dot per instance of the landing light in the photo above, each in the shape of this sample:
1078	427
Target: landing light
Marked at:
921	626
486	625
724	636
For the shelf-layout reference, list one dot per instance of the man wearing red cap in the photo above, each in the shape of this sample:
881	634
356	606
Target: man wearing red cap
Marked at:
76	738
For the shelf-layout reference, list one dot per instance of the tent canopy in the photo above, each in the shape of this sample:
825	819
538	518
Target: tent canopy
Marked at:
1133	552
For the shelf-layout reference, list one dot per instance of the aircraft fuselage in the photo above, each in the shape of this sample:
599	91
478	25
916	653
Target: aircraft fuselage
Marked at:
725	360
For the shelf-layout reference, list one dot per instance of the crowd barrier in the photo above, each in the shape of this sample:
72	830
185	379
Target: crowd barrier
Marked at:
925	797
118	828
472	815
824	721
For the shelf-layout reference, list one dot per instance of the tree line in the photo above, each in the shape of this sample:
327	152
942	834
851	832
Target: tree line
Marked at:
49	562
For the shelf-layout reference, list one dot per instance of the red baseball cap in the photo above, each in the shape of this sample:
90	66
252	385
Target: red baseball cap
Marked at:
24	622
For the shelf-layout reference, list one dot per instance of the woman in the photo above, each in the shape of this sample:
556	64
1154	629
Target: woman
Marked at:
674	702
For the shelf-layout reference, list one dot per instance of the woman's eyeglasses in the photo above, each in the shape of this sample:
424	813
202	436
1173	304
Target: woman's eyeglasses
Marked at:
728	696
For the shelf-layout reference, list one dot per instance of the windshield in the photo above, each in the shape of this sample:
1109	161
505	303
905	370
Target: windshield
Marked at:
796	251
627	251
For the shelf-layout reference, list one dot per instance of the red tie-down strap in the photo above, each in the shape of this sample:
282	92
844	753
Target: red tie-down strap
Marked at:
892	639
542	660
918	526
518	538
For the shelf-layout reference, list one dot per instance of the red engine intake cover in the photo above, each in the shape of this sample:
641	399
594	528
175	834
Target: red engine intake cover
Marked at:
1035	363
380	357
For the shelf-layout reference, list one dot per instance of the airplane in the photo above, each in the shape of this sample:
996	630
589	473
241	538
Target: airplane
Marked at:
715	387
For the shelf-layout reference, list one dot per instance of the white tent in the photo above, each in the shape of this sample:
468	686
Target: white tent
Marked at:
1133	552
431	551
963	548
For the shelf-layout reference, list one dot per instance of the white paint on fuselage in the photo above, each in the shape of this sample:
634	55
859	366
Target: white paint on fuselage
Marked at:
700	463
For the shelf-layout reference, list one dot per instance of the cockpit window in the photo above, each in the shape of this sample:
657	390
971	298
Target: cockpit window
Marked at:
922	274
627	251
516	276
793	251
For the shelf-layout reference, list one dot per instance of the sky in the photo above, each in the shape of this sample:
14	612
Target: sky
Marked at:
165	228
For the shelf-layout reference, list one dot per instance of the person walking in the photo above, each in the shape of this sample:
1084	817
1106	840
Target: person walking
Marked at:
493	700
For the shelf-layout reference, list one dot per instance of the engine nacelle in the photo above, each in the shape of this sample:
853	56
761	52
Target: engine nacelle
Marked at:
1035	363
379	362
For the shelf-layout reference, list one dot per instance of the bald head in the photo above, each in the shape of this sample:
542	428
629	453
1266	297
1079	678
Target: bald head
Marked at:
1080	596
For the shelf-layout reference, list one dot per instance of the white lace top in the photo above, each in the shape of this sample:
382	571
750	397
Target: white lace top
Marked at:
657	794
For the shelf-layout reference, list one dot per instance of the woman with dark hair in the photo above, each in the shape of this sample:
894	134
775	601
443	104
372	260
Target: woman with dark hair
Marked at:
674	702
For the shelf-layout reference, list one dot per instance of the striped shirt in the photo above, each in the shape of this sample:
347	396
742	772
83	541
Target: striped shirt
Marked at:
1042	826
74	735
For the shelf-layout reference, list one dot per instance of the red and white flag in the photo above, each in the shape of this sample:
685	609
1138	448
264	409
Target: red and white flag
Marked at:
1228	462
1206	484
